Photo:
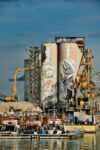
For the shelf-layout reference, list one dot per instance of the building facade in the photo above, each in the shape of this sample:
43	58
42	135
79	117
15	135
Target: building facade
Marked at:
32	77
61	74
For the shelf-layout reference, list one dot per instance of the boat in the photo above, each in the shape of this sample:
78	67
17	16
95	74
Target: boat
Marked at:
70	135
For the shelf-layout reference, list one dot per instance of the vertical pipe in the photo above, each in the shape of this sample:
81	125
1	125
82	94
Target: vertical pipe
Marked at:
58	55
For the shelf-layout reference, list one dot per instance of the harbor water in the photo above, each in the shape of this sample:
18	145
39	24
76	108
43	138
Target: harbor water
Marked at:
87	142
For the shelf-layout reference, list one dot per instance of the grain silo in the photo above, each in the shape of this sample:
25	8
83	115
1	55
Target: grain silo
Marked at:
69	57
49	73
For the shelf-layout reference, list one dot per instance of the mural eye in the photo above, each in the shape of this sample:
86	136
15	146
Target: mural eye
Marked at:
70	69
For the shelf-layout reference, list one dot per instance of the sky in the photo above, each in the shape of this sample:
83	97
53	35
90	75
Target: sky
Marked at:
25	23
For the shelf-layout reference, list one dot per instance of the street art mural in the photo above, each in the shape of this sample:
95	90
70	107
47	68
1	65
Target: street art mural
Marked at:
61	66
48	75
66	74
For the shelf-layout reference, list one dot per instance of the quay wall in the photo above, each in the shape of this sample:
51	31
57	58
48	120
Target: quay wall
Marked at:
84	128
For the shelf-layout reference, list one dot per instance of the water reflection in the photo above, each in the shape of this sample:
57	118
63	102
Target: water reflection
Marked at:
61	144
88	142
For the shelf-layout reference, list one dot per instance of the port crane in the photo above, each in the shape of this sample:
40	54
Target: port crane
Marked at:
13	97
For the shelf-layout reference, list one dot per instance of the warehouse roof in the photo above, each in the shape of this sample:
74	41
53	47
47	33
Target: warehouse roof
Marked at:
22	106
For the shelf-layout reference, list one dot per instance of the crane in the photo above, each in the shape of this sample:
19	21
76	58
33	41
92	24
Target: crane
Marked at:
12	98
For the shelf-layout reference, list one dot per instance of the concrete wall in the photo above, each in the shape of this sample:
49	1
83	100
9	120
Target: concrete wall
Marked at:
69	61
49	73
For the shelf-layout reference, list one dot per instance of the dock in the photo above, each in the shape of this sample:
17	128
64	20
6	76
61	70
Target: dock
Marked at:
39	136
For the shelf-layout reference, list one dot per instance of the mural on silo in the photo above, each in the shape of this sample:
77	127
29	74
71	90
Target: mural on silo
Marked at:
48	75
66	73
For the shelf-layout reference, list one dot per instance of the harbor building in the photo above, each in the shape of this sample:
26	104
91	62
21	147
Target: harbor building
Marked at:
62	74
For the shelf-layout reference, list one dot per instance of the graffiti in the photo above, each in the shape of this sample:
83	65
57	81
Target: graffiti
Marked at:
48	71
66	74
48	83
66	69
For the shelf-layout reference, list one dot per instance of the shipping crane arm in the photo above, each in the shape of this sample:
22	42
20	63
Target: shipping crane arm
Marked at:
14	84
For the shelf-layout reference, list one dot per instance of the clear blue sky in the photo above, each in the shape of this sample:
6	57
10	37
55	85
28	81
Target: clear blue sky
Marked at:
25	23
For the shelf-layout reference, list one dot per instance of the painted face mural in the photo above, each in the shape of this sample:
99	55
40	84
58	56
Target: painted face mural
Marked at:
48	83
48	71
66	74
66	68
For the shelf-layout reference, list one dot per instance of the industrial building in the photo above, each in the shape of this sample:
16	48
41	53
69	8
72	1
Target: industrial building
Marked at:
32	77
62	74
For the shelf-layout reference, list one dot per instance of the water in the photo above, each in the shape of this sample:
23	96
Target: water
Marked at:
88	142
